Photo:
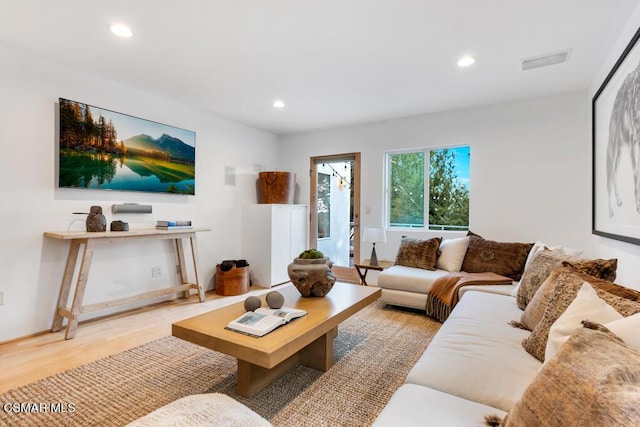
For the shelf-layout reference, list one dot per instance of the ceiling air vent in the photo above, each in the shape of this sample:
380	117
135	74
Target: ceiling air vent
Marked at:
545	60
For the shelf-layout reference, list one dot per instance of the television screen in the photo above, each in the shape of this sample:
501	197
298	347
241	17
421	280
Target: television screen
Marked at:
102	149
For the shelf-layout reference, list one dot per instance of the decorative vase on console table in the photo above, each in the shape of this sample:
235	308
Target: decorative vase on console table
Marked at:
311	274
96	221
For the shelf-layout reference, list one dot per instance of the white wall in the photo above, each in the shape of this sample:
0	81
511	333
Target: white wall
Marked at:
530	170
32	266
628	254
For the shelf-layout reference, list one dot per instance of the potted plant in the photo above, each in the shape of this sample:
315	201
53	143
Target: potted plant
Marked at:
311	273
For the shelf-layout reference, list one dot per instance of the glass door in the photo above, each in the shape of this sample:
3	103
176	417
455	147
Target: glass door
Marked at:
334	209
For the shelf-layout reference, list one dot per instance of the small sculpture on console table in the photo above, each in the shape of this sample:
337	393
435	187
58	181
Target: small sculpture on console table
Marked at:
119	226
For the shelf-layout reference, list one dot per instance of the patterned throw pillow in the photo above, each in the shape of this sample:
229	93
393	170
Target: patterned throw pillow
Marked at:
604	284
593	380
546	260
419	253
535	309
564	292
504	258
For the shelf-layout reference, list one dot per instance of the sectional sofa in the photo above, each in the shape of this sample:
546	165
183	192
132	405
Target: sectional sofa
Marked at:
491	360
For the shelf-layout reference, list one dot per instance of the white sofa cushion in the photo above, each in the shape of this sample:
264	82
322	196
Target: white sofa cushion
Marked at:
414	405
404	299
419	300
492	289
409	279
476	355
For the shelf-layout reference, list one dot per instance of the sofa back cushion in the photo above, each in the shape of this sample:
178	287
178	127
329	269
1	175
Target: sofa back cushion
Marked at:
504	258
419	253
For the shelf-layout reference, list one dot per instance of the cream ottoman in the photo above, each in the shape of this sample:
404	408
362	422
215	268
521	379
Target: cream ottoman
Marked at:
212	409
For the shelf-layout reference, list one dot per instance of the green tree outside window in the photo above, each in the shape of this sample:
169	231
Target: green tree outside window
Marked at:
407	190
447	203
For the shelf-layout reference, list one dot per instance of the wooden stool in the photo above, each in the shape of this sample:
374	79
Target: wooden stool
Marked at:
232	282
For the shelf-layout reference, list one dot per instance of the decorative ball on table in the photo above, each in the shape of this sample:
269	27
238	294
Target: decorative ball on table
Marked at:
252	303
275	299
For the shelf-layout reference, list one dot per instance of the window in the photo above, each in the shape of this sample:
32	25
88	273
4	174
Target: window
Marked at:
445	196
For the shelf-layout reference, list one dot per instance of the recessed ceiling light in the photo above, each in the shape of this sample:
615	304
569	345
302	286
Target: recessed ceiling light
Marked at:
466	60
278	103
121	30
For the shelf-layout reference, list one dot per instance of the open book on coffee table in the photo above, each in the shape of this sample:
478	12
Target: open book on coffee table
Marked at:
264	320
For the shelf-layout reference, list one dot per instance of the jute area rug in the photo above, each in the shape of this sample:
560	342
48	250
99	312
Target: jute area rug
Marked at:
373	351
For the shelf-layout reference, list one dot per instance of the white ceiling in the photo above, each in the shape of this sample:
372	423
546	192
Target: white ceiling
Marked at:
334	62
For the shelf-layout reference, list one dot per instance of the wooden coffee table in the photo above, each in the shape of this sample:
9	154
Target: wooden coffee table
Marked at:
307	340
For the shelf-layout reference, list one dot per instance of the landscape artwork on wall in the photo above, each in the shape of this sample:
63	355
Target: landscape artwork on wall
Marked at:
102	149
616	149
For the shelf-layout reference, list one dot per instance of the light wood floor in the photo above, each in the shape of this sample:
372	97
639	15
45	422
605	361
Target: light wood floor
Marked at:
29	359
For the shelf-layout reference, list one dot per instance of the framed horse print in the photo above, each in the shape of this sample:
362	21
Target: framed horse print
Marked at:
616	150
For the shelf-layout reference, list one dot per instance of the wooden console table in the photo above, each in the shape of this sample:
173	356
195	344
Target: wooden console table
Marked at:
88	240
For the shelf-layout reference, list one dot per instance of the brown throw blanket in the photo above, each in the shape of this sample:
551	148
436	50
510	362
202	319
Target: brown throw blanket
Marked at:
443	295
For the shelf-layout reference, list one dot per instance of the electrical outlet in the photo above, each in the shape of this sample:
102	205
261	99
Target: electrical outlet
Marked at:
1	297
156	271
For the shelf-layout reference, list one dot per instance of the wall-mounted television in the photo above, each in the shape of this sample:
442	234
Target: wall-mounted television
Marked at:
102	149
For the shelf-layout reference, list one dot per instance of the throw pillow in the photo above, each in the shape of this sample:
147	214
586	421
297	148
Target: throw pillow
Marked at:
418	253
452	252
504	258
606	285
535	309
564	292
537	247
546	260
538	304
592	381
586	305
627	329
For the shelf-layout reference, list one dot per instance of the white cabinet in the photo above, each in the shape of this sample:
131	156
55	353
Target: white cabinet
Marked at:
272	236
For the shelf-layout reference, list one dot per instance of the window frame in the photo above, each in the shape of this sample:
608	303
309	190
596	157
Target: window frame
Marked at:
387	186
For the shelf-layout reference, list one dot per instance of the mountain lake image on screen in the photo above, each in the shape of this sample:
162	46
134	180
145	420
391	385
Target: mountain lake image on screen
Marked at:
105	150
